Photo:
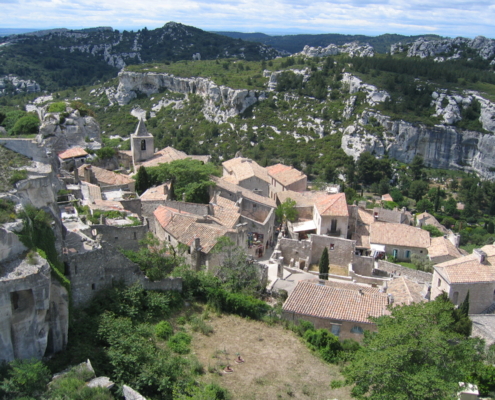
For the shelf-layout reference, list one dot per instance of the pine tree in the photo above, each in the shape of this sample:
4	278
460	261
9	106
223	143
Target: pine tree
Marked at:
324	261
142	180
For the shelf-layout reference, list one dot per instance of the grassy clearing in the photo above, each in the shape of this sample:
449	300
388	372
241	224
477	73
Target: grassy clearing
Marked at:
277	364
8	174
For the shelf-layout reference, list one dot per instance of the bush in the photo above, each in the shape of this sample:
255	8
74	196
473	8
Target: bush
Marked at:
180	342
164	330
26	125
325	343
18	175
237	303
57	107
25	378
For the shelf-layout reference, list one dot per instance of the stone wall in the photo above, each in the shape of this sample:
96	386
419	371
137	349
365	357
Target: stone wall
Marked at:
28	148
294	249
33	311
10	245
340	251
164	284
126	237
398	270
363	265
132	205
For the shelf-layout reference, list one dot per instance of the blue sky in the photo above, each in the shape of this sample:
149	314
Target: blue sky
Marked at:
370	17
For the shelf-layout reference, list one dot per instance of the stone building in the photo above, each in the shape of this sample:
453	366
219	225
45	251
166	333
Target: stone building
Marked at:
142	144
72	158
285	178
474	273
106	180
342	308
248	174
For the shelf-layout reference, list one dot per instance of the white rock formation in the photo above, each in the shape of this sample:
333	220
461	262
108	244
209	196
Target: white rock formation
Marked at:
353	49
373	95
17	85
221	102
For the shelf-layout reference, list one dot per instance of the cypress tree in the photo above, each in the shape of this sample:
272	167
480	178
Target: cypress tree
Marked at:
142	180
324	261
464	306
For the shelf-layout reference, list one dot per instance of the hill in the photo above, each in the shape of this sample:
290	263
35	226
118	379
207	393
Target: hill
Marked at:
295	43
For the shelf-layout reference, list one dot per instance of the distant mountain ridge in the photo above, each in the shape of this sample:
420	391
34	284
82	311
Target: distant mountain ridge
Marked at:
295	43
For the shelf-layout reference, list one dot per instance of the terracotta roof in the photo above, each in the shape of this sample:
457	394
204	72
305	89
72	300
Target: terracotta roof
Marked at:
71	153
338	302
104	176
225	212
248	194
284	174
468	269
156	193
164	214
106	205
240	169
405	291
169	154
387	197
326	204
441	246
399	235
186	227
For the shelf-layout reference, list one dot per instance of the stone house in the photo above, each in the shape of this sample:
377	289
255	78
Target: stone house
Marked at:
474	273
444	248
318	213
398	240
106	180
248	174
72	158
285	178
342	308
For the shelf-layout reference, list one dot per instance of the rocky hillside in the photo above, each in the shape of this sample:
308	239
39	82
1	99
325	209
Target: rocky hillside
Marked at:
61	58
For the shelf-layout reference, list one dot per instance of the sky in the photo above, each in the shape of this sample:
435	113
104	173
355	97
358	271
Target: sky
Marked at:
370	17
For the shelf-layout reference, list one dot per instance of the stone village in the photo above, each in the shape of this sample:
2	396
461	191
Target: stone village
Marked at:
361	283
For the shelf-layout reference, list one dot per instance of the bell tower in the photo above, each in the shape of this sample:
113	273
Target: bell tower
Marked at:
142	143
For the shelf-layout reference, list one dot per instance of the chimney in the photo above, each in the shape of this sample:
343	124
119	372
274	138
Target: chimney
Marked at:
361	292
165	189
87	173
238	195
481	255
215	194
390	297
76	176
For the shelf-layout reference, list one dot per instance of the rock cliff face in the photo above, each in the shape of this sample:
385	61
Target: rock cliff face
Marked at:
352	49
12	84
423	48
33	310
58	134
440	146
221	102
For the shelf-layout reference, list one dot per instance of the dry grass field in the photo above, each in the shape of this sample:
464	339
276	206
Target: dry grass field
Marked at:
277	364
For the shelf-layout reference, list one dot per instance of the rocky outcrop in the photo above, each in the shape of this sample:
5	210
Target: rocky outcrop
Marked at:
353	49
440	146
221	102
423	48
373	95
58	133
12	84
33	310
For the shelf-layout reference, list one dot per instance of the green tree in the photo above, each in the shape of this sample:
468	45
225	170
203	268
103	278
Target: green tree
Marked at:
25	378
424	205
286	211
142	180
418	189
26	125
416	167
324	264
416	354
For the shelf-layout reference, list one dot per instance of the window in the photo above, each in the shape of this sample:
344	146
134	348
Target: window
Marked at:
439	283
357	329
93	286
143	144
408	254
332	246
254	205
135	235
395	253
336	330
333	227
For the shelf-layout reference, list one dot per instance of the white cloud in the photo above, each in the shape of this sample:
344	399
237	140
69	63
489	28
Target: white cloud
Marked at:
450	18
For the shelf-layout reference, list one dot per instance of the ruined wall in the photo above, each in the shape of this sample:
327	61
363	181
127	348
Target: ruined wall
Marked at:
126	237
363	265
28	148
341	255
165	284
132	205
294	249
399	270
10	245
33	311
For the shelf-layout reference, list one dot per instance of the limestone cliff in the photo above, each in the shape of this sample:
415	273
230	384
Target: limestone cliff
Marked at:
441	146
353	49
33	310
221	102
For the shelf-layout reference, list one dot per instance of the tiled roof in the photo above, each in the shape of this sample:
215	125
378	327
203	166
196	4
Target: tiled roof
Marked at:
225	212
164	214
468	269
246	193
106	205
169	154
441	246
284	174
74	152
326	204
399	235
339	302
240	169
156	193
387	197
186	227
405	291
104	176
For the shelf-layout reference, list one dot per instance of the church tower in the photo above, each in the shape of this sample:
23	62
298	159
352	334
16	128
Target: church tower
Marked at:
142	143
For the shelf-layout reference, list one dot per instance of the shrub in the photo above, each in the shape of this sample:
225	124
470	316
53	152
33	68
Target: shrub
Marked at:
237	303
25	378
18	175
198	324
180	342
164	330
57	107
26	125
325	343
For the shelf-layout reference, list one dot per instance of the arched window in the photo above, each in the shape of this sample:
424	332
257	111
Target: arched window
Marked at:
357	329
143	144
